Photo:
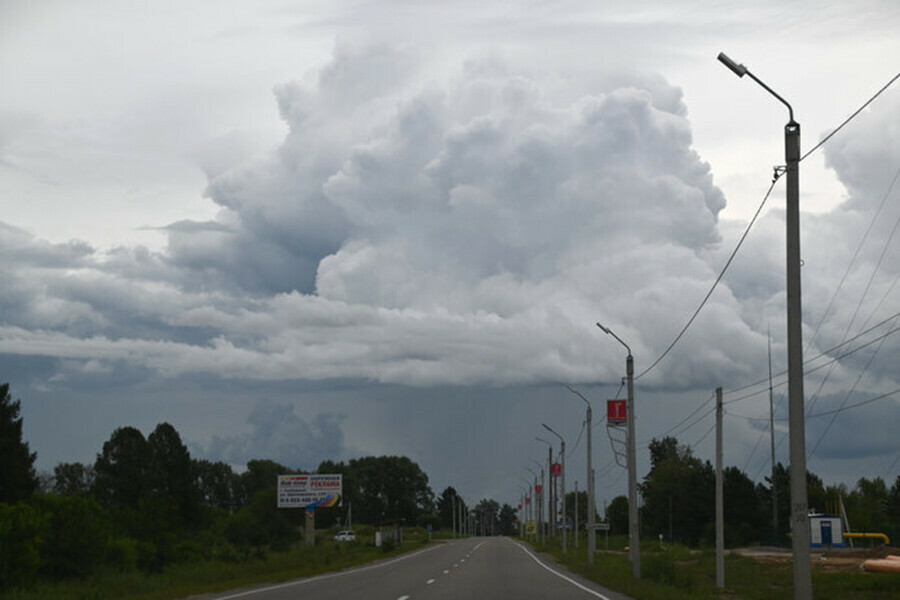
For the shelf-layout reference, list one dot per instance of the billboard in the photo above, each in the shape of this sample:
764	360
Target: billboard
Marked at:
309	491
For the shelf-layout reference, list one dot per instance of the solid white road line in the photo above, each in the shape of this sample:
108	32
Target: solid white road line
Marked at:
560	575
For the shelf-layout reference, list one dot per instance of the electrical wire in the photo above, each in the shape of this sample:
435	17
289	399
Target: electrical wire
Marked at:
851	406
775	178
817	357
851	117
716	282
846	397
680	423
703	437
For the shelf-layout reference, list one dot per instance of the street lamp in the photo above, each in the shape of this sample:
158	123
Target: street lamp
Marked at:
634	533
562	453
592	539
551	505
796	431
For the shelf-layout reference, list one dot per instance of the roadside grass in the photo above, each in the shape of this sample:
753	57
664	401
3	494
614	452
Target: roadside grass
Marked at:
212	576
679	573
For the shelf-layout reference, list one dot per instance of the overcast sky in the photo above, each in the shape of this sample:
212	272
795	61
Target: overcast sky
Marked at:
321	230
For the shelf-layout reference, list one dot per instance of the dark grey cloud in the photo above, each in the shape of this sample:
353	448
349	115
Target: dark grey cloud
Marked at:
278	433
446	247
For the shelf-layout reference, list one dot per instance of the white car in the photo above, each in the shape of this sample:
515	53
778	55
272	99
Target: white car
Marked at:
345	536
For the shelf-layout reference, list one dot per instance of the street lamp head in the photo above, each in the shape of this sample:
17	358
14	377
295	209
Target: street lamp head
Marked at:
605	330
739	70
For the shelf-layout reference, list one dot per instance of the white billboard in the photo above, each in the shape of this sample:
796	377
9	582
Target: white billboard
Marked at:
309	491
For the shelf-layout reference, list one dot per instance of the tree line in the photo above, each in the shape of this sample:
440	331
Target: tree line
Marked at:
145	503
679	501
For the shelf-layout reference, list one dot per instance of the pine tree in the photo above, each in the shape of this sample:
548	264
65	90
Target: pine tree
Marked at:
18	480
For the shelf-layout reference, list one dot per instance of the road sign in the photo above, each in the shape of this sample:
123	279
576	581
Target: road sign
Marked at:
309	491
602	526
616	413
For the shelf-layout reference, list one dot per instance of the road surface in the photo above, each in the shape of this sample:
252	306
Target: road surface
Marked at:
490	568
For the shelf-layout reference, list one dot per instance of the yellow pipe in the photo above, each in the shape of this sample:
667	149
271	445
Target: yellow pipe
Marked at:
881	536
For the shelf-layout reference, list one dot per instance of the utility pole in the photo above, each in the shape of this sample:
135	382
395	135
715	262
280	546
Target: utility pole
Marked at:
634	533
576	513
562	475
772	445
453	515
720	502
796	419
541	536
551	506
592	534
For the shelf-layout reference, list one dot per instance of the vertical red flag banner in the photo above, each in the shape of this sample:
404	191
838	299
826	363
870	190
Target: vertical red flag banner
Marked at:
556	469
538	488
616	412
527	500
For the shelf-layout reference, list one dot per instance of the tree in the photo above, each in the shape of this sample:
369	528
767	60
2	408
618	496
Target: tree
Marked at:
582	499
384	489
507	520
17	474
743	518
446	505
73	479
121	469
617	515
219	486
488	517
171	477
679	493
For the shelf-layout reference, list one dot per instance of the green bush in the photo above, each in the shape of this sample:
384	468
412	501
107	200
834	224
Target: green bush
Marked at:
21	527
73	543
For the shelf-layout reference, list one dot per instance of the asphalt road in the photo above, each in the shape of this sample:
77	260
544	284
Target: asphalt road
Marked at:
491	568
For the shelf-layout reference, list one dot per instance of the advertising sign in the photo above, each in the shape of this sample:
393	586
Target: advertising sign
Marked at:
309	491
616	412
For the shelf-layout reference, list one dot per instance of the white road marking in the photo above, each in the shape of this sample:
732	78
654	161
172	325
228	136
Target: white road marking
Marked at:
403	598
560	575
326	576
429	582
446	571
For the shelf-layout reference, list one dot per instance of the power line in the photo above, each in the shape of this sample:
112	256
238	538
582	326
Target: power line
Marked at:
716	282
846	397
775	178
851	406
680	423
817	357
851	117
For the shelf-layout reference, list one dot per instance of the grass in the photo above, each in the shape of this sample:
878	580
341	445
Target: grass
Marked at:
679	573
189	579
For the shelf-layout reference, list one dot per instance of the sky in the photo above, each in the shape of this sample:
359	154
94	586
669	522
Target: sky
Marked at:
323	230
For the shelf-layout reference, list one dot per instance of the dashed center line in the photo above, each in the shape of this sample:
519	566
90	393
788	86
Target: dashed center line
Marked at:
446	571
429	582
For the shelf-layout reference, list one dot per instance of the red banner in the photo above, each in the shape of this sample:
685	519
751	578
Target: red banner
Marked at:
616	412
527	500
556	469
538	488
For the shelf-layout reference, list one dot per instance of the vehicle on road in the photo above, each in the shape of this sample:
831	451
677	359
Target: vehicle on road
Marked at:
345	536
